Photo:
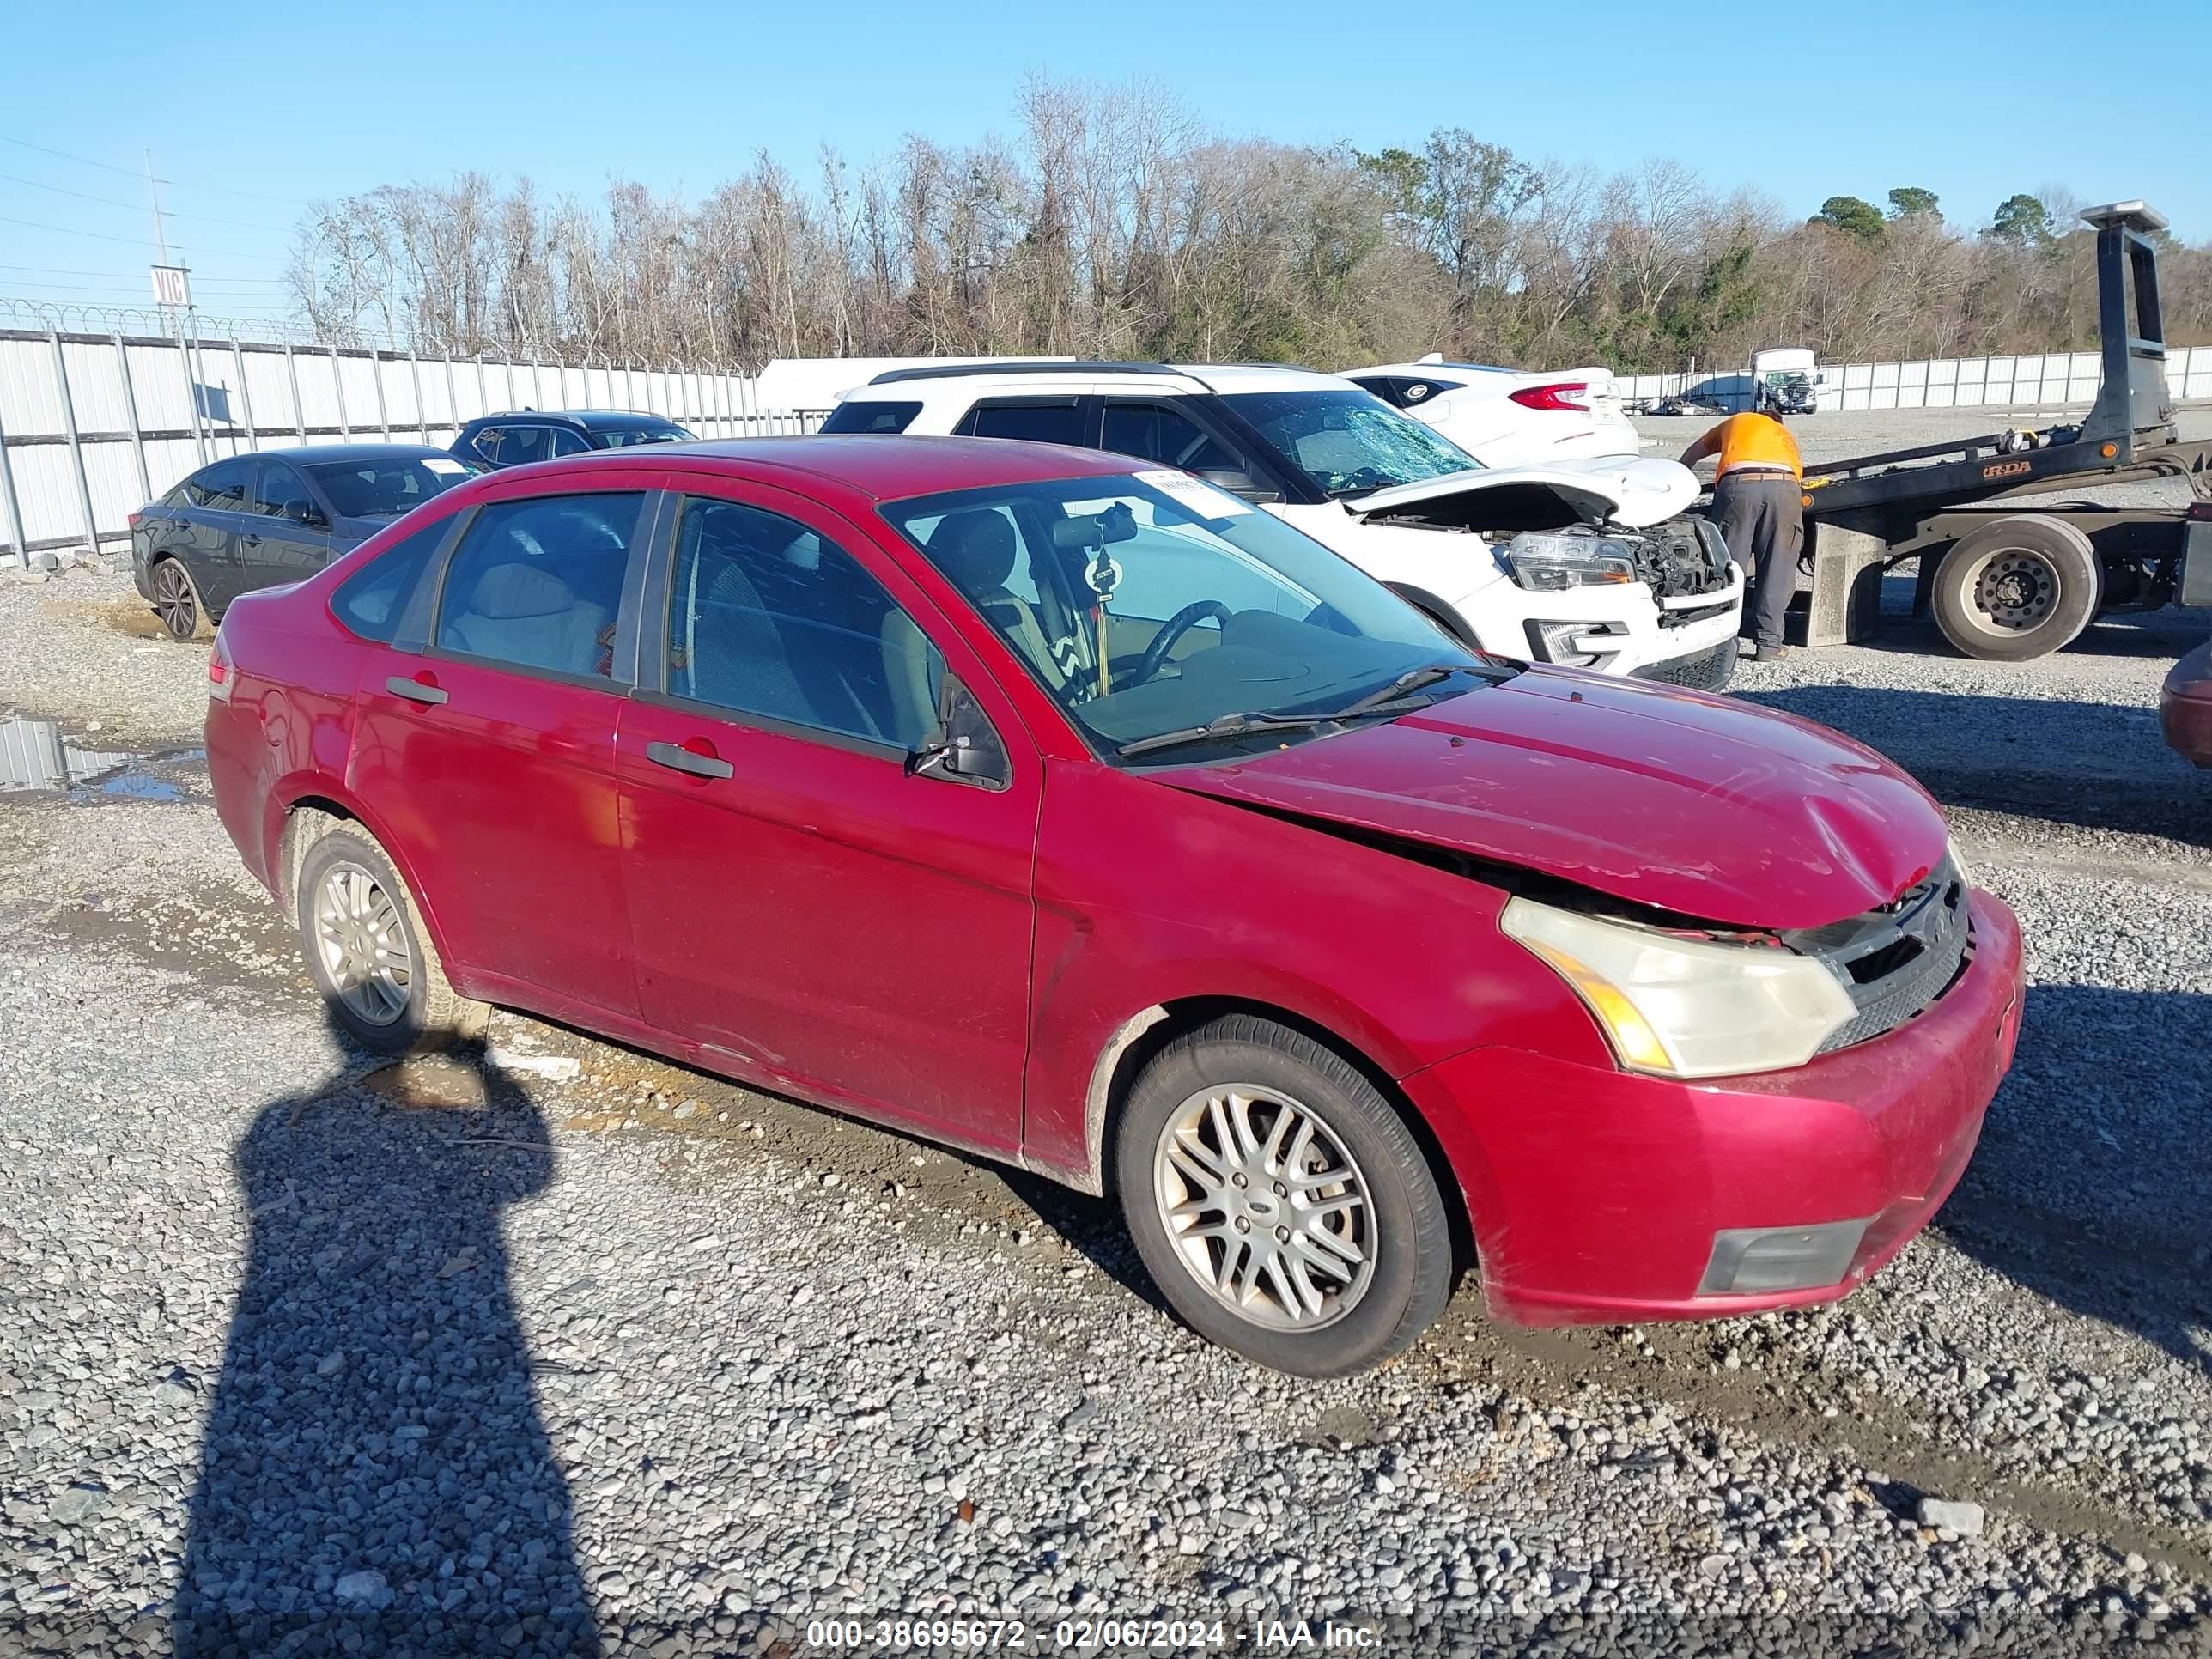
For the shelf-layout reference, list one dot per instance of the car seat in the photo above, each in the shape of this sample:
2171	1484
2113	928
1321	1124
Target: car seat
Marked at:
976	550
522	614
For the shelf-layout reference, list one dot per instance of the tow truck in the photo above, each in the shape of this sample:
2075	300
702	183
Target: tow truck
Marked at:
2008	583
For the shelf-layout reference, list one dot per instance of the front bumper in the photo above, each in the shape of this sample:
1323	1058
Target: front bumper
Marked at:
2184	707
1596	1196
1626	627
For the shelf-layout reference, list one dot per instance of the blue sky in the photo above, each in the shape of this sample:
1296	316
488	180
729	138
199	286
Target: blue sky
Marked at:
1973	100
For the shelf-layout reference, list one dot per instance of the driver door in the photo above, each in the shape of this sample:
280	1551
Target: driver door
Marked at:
290	537
812	911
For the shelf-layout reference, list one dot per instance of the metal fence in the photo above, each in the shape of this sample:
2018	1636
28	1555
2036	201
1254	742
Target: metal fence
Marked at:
94	425
2035	380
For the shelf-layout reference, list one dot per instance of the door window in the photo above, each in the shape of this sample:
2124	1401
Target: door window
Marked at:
512	445
277	490
1057	422
536	583
219	487
1156	433
767	618
565	442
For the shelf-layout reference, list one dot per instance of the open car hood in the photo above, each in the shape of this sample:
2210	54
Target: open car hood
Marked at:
1630	489
1704	806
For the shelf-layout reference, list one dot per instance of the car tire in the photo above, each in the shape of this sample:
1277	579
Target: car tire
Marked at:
370	958
1328	1277
2017	588
177	601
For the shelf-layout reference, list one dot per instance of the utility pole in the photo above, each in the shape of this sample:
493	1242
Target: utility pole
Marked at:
183	351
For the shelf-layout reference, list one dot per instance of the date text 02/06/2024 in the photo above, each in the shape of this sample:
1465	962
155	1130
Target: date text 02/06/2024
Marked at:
910	1635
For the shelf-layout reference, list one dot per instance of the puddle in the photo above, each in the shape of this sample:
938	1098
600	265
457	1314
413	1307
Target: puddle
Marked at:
35	758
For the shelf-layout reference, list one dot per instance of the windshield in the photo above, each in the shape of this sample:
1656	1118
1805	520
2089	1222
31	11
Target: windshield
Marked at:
1350	442
1209	608
386	489
622	437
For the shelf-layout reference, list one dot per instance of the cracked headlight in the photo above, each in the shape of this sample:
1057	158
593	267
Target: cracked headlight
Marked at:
1547	564
1686	1008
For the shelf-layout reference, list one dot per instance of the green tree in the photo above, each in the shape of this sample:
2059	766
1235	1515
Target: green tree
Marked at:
1852	215
2021	219
1908	199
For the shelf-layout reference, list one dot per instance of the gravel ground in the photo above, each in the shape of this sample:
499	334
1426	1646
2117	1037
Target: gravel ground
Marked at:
300	1355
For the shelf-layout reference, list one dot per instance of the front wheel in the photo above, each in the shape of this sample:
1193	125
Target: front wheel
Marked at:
2017	588
1279	1201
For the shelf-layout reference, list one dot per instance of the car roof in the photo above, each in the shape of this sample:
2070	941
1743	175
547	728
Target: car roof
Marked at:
606	417
375	452
1427	371
921	380
885	466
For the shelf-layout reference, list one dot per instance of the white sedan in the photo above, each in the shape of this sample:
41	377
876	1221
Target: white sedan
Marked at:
1505	418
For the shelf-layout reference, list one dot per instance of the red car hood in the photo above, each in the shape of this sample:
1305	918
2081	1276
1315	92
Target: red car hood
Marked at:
1703	804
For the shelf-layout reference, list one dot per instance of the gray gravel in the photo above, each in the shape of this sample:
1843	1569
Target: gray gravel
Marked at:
299	1354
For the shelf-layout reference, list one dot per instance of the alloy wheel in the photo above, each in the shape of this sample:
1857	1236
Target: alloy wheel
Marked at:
175	601
1265	1208
363	946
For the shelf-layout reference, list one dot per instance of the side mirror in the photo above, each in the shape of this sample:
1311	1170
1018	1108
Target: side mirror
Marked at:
965	747
1238	482
305	513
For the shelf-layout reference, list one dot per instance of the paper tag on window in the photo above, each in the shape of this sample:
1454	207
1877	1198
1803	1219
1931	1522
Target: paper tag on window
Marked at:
443	464
1195	495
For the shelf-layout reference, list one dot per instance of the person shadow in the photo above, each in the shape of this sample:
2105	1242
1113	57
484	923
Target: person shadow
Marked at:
375	1478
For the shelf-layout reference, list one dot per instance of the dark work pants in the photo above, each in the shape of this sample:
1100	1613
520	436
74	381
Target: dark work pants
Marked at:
1762	519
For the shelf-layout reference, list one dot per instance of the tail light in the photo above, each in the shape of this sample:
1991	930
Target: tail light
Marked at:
137	517
1561	394
223	677
2199	511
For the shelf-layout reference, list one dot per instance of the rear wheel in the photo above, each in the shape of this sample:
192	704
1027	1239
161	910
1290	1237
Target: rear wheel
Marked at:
2017	588
1279	1201
368	953
177	601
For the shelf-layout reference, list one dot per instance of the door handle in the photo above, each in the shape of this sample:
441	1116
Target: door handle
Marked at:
414	691
251	541
677	758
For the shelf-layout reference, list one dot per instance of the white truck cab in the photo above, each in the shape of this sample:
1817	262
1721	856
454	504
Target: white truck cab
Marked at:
1583	563
1789	379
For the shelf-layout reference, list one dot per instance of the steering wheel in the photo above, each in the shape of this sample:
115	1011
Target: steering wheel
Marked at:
1176	626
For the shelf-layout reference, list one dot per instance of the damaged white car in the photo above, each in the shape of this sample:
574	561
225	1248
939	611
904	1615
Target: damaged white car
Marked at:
1585	563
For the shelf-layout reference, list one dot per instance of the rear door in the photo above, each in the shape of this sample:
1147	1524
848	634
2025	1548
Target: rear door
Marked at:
819	915
278	547
486	739
207	538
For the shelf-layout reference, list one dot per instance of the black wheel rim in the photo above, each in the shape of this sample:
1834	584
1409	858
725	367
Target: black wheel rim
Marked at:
172	599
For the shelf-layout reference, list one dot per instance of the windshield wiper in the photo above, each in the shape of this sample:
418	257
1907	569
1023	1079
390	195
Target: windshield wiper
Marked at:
1222	725
1392	700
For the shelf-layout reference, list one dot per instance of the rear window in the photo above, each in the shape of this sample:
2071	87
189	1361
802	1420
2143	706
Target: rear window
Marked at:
386	489
623	437
856	416
371	601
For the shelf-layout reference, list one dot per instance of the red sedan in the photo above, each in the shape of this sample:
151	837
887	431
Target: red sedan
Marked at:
2184	707
1090	818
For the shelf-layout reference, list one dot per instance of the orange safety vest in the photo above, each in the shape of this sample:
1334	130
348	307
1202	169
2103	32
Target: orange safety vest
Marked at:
1758	440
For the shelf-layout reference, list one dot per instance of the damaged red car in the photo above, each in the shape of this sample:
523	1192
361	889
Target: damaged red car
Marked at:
1081	816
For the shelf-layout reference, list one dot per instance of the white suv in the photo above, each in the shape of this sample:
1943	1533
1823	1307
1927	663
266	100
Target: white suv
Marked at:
1581	562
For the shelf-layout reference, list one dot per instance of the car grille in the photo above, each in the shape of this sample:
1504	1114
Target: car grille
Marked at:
1710	669
1898	961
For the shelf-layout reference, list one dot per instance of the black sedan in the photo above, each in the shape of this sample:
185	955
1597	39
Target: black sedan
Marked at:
256	521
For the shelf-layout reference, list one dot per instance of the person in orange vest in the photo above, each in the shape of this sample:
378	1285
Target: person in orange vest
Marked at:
1759	502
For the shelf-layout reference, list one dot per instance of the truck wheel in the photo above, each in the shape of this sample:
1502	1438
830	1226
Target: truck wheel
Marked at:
2017	588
